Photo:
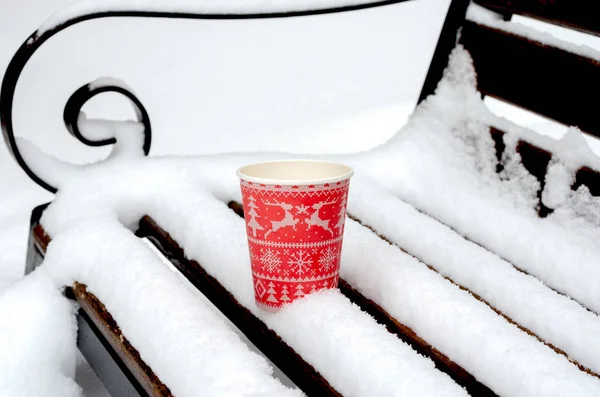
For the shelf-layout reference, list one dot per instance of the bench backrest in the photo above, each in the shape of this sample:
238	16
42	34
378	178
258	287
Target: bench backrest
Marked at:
548	78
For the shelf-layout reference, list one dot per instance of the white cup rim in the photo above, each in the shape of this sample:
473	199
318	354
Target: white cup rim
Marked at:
344	172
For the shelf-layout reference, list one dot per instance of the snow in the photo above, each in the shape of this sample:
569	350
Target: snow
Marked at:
456	183
473	336
189	348
106	81
216	238
169	192
555	318
482	16
37	338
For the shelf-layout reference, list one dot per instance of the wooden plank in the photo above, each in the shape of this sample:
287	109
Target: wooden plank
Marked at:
110	330
536	161
590	178
102	358
581	15
406	334
129	357
267	341
543	79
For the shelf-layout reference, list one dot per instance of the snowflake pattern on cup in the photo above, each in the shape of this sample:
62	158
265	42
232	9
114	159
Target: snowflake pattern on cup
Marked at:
294	237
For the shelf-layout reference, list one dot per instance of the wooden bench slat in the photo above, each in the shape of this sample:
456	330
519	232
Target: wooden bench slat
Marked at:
267	341
581	15
590	178
536	161
104	361
110	330
524	72
104	322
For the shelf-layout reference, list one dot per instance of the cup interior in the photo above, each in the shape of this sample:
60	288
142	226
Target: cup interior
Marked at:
291	172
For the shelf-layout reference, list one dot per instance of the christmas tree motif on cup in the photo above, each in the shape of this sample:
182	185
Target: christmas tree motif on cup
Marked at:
315	220
288	218
299	291
271	291
252	222
284	295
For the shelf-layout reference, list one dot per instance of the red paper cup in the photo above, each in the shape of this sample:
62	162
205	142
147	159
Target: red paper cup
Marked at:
295	212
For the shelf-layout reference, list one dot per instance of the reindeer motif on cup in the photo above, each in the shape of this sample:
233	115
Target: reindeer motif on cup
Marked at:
315	220
288	218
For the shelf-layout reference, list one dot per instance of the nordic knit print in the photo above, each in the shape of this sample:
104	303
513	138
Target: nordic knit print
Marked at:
294	238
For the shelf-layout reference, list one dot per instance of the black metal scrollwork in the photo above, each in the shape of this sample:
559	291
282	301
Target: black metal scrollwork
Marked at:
83	94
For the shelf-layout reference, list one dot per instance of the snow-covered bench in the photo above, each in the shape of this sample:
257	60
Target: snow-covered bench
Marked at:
472	240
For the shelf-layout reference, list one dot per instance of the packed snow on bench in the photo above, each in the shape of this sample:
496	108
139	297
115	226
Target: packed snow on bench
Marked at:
443	162
473	336
215	236
37	340
185	342
554	317
355	354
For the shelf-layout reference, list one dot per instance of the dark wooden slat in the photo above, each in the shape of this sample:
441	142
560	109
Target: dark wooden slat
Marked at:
267	341
590	178
126	355
543	79
406	334
581	15
110	330
536	161
103	359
